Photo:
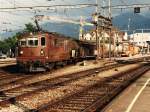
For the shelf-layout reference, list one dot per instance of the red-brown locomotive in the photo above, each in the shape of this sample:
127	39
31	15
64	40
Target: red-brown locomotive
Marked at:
44	50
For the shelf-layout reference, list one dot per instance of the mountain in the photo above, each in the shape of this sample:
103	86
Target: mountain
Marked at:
137	21
121	21
67	29
8	34
147	14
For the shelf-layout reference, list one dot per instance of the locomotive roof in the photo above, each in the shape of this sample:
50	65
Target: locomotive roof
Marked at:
27	34
77	40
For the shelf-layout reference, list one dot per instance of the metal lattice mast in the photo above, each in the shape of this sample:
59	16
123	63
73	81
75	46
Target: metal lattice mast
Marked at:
110	30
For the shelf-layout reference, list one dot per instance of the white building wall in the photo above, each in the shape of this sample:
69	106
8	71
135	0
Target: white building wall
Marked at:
140	38
89	36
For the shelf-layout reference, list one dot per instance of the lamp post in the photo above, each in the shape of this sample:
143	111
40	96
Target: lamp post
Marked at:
142	42
133	43
117	43
95	21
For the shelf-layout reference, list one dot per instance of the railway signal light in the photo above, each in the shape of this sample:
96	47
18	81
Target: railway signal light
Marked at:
137	10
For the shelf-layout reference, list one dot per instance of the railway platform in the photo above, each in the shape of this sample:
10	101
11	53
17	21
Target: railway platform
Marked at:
7	61
133	99
133	57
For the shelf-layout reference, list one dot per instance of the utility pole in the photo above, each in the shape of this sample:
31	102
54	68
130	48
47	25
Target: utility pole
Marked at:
103	32
14	3
129	20
133	43
142	42
148	48
96	9
96	30
81	29
103	40
110	30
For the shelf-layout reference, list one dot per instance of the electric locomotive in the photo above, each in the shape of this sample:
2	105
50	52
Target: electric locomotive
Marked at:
43	50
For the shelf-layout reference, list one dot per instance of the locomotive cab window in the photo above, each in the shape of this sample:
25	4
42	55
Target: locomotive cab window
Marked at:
22	42
43	41
32	42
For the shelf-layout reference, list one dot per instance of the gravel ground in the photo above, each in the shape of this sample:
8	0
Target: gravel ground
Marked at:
36	100
11	108
59	72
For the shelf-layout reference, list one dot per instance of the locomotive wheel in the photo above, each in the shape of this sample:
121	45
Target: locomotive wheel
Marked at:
64	63
50	66
75	61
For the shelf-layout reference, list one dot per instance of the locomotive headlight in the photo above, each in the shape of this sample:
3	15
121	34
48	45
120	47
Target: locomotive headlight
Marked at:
21	52
42	52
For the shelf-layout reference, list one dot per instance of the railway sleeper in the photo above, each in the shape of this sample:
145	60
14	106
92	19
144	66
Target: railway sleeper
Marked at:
66	107
76	101
114	84
114	92
65	110
79	104
97	92
85	98
88	98
89	95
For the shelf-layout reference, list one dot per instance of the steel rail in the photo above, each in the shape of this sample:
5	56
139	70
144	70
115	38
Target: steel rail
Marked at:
53	83
109	88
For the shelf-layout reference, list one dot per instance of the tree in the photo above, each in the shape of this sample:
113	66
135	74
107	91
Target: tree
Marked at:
30	27
11	42
7	44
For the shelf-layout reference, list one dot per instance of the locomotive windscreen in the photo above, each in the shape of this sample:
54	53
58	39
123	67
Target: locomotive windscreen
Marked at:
22	42
32	42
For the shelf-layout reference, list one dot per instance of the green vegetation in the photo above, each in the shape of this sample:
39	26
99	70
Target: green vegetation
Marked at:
30	28
10	43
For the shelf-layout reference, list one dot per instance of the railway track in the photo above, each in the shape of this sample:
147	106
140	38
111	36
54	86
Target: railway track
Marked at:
6	77
10	91
48	87
94	98
18	93
15	91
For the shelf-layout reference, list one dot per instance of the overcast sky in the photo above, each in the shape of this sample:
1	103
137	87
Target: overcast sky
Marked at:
17	19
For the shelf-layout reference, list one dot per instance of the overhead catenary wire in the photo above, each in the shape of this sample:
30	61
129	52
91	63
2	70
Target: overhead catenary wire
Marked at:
32	10
72	6
127	6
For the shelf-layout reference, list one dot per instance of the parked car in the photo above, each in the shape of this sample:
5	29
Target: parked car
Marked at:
3	56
